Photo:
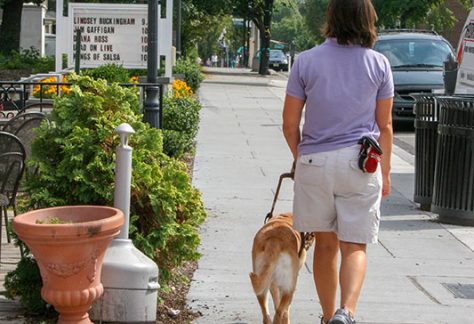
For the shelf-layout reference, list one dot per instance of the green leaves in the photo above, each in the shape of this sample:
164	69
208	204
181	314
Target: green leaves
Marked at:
191	72
109	72
75	158
25	282
180	123
408	12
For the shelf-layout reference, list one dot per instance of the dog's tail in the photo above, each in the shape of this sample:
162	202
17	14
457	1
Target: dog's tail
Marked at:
261	281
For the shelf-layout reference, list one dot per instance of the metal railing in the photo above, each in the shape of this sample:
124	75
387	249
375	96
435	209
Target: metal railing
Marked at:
20	96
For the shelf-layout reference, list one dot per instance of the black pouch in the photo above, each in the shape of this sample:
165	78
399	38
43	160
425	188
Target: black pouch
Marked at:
370	154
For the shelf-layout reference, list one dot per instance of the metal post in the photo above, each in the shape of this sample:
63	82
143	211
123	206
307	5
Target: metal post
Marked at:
292	51
247	54
59	21
152	104
178	28
123	176
77	61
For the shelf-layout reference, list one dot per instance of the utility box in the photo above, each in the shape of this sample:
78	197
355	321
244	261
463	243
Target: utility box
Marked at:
130	286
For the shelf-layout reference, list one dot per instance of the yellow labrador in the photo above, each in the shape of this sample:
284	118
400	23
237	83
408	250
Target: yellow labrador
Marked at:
276	258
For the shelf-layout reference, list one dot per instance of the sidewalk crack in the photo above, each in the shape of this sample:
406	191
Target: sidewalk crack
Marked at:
423	290
386	249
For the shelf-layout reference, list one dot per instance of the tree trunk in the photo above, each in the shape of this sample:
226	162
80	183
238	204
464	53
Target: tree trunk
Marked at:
265	37
11	26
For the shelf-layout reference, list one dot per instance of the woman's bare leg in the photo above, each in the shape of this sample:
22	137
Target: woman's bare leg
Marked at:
325	271
352	273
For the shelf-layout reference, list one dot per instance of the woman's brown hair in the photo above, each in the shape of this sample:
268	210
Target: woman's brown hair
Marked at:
351	22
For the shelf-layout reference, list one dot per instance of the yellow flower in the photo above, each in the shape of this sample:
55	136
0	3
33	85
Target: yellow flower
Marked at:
181	89
49	91
133	79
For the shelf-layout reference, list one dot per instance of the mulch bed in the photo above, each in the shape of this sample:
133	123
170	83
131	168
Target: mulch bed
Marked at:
173	308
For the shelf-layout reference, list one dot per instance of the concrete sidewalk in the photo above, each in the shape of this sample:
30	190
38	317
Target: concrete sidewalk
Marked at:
240	154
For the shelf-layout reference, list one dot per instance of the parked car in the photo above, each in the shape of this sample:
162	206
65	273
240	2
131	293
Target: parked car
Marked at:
278	60
416	59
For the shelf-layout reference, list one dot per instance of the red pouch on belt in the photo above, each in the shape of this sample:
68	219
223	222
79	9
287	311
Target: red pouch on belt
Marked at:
369	155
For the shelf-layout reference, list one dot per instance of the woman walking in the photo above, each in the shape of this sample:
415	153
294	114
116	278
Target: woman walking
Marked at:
347	89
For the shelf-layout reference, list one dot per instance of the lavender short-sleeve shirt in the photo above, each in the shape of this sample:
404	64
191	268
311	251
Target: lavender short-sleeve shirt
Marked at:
340	85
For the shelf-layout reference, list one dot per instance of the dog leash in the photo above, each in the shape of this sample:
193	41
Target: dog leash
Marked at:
306	238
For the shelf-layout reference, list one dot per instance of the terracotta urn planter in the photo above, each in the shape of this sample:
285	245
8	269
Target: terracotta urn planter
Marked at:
69	244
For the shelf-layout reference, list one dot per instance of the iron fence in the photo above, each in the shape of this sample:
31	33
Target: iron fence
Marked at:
20	96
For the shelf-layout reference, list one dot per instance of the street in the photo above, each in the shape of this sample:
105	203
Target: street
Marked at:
404	137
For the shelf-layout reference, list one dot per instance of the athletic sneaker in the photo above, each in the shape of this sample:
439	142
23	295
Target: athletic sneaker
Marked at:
341	317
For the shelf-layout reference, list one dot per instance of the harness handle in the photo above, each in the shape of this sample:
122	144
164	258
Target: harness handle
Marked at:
306	238
283	176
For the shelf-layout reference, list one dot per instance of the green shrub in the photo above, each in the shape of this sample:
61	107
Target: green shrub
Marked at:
191	71
28	59
180	124
75	160
25	282
109	72
176	144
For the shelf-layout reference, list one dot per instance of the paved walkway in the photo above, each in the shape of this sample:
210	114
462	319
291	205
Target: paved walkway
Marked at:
10	310
240	154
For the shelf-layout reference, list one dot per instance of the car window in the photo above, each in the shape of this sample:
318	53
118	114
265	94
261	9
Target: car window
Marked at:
414	52
276	54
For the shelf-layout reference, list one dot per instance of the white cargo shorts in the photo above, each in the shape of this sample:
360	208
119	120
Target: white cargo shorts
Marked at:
331	194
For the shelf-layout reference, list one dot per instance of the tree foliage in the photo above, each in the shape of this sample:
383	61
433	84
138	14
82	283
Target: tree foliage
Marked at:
289	25
407	12
393	13
201	26
441	17
315	16
260	12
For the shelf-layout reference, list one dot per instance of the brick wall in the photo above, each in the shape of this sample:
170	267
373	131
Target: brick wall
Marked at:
461	14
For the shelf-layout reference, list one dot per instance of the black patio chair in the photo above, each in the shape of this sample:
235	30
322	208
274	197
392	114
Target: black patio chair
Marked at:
12	165
44	108
23	126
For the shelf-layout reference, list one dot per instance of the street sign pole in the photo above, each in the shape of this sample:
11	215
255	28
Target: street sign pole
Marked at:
152	102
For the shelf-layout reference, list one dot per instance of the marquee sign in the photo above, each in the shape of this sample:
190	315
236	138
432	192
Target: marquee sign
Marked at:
109	34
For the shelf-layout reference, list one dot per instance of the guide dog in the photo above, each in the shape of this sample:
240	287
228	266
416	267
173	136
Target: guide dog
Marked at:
277	256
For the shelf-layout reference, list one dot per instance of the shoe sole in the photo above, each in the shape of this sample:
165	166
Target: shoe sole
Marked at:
338	321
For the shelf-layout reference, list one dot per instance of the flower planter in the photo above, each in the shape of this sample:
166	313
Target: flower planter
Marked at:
70	254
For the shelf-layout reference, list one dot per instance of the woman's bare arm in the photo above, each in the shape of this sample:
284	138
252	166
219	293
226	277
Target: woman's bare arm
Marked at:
292	111
383	117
